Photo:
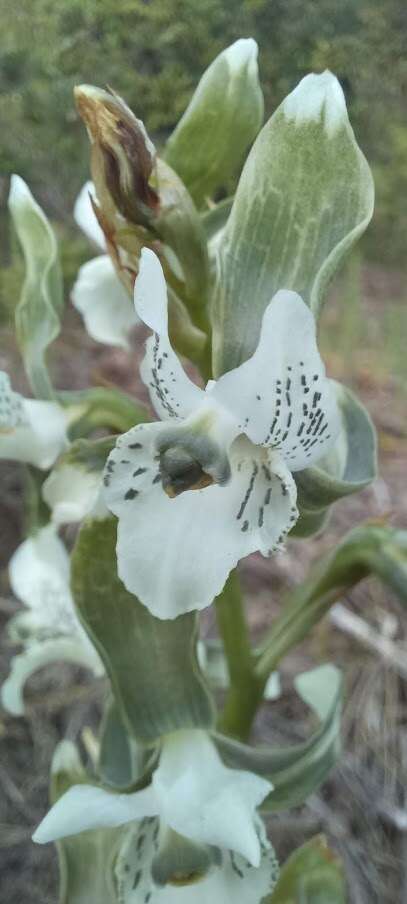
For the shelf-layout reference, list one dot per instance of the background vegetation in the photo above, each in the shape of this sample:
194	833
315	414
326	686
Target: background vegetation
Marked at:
154	51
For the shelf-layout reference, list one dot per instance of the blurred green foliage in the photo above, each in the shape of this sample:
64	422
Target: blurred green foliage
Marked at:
154	51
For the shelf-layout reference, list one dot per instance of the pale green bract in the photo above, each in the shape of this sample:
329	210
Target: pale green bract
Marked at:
38	311
304	197
167	691
221	121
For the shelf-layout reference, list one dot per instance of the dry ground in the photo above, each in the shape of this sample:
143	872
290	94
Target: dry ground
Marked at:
361	807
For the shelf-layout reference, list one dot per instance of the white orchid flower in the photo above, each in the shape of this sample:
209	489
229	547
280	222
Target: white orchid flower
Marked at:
85	217
213	483
194	795
31	431
72	493
49	631
98	294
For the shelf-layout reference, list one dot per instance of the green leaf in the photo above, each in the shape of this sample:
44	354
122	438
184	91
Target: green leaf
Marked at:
312	875
350	466
102	407
304	197
299	770
122	762
367	550
214	219
222	119
86	861
152	663
38	312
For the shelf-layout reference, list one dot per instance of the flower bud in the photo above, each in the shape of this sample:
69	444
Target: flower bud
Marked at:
142	202
123	157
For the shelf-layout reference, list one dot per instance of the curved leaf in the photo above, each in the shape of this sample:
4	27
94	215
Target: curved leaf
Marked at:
350	465
38	311
152	663
304	197
369	549
309	523
297	771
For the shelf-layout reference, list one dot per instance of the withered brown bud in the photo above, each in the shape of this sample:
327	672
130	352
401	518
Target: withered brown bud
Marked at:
122	158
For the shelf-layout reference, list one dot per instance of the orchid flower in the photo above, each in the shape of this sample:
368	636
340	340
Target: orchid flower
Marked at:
31	431
72	493
49	631
194	798
98	294
213	482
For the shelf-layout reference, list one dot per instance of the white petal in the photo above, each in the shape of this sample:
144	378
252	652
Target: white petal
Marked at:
71	493
202	799
36	656
30	431
85	217
85	807
106	308
281	395
39	571
172	393
175	554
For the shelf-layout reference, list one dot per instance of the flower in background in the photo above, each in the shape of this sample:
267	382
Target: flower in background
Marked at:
98	294
213	481
49	630
31	431
195	824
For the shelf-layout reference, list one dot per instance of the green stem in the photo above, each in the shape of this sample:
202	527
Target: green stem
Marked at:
246	689
36	512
